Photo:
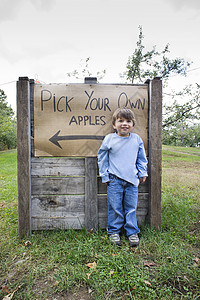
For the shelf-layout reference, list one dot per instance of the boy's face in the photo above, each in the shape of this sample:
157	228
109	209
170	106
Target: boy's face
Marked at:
123	126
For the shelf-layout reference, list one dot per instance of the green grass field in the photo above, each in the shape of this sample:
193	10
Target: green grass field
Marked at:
82	265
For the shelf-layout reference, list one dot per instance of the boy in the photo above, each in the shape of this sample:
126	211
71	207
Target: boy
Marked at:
122	165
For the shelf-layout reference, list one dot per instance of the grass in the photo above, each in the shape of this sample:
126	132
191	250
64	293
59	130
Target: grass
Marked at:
189	150
75	264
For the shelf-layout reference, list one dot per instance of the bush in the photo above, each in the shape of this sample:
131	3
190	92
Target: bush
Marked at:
8	135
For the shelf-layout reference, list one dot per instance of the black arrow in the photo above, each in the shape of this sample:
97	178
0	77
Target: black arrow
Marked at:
55	138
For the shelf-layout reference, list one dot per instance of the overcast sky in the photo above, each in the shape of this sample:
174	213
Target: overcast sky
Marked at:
46	39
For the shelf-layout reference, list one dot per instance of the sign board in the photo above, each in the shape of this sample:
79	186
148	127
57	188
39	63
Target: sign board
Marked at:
72	119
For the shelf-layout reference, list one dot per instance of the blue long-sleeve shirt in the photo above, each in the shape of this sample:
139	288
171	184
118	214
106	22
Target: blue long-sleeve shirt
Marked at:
122	156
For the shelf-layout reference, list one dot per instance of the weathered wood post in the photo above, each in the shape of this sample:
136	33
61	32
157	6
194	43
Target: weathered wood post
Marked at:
155	151
91	205
23	156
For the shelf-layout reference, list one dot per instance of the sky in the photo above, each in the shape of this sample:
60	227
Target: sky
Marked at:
46	39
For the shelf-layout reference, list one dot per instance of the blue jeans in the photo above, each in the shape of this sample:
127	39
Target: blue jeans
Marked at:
122	198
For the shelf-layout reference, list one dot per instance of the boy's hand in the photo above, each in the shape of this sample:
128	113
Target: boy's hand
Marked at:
142	179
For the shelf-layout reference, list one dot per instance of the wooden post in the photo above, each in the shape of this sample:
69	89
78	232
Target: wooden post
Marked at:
32	84
91	205
23	156
155	151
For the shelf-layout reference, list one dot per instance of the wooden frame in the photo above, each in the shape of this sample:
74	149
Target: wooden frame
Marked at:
66	192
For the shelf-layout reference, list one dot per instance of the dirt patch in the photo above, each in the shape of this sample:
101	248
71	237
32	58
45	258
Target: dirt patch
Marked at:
186	153
189	152
45	287
81	294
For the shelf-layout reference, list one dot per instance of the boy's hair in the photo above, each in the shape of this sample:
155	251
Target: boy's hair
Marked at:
124	113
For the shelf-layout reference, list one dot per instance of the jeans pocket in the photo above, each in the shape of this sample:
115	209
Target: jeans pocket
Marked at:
111	178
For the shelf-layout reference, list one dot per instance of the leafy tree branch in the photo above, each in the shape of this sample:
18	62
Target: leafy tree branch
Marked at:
85	71
181	112
143	65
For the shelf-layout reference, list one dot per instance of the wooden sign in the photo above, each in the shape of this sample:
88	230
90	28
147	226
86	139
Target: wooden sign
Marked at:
72	119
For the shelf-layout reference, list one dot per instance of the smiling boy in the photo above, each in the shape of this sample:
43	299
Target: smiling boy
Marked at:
122	165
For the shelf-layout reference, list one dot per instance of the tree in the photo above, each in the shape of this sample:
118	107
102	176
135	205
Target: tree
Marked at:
147	65
5	110
181	121
190	110
179	127
8	136
85	71
182	135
